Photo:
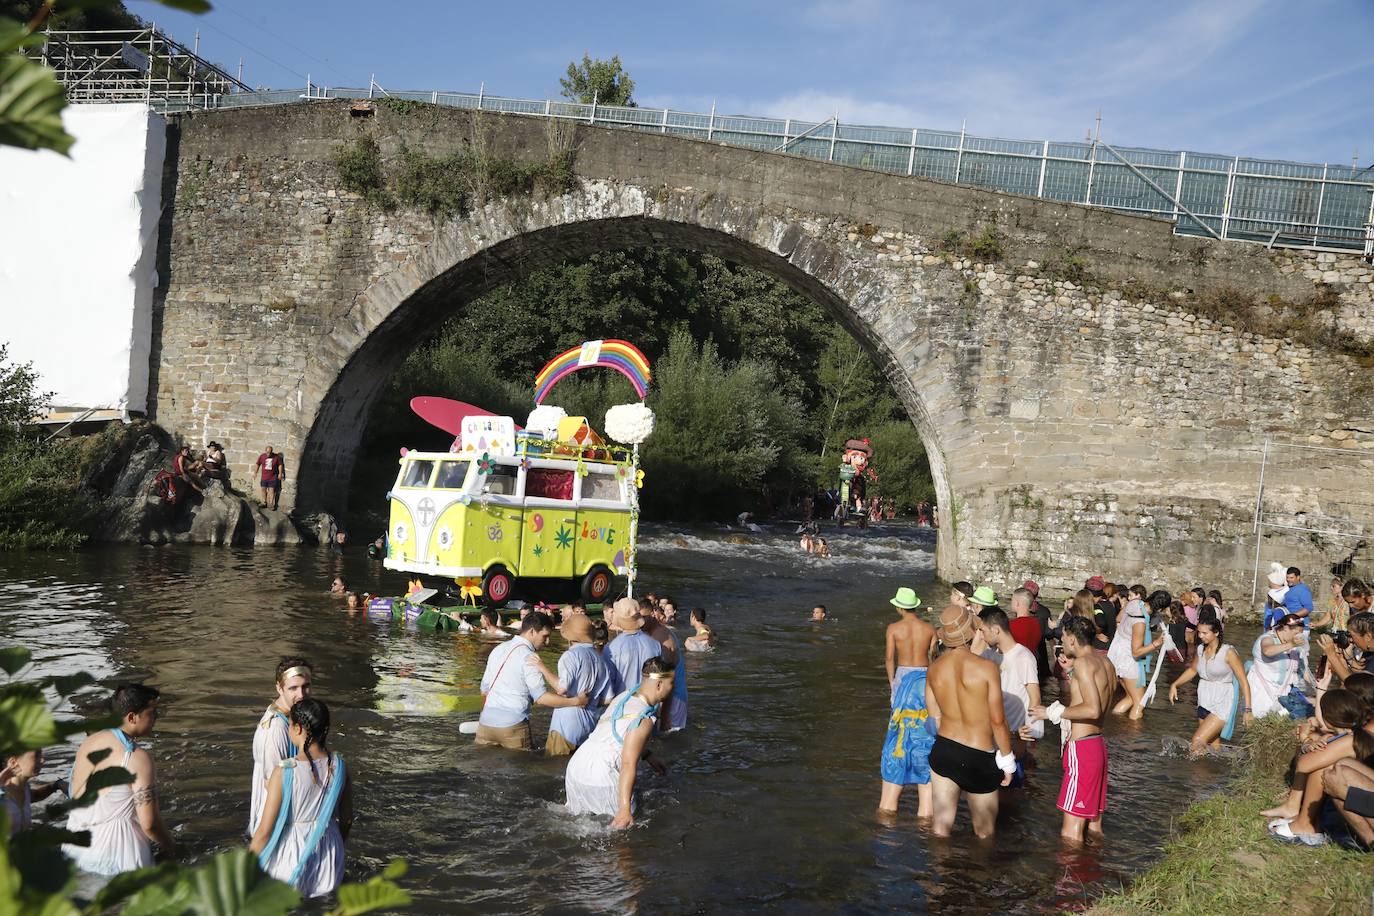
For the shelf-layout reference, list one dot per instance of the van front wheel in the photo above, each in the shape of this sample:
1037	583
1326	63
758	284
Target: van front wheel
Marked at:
596	585
496	586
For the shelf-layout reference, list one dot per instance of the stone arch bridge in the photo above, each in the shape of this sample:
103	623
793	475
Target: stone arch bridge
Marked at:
1087	400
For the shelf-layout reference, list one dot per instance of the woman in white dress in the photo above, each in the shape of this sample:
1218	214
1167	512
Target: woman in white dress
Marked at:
600	778
21	791
300	839
1130	653
1220	691
1276	669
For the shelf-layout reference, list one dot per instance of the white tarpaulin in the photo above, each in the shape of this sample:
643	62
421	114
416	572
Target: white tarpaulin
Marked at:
78	256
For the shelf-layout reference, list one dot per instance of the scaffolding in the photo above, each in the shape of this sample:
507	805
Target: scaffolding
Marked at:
1304	492
137	65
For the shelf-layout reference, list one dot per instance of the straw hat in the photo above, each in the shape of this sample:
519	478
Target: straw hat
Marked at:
906	599
576	628
627	615
983	596
956	627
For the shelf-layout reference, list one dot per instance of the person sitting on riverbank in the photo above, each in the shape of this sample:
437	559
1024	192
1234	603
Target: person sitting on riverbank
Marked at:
1223	690
1275	671
125	820
600	777
704	639
1131	654
213	466
510	686
309	809
581	669
21	791
271	739
964	693
1297	819
1349	784
1083	793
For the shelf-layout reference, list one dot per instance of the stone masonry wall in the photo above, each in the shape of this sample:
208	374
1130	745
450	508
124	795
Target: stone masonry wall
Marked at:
1106	424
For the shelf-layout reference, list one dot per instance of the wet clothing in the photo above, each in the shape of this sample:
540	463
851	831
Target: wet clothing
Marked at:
592	778
1273	681
271	745
1084	790
511	737
974	771
910	732
308	853
898	673
509	685
1121	651
580	670
1218	693
625	657
118	843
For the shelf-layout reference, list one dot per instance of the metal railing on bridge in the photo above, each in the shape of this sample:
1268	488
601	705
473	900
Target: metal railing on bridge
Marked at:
1276	203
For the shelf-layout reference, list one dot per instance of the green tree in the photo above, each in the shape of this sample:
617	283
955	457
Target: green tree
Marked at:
602	81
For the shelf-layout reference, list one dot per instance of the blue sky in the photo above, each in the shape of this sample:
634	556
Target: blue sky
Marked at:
1291	79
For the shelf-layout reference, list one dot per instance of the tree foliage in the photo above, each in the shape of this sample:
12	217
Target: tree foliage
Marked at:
602	81
755	386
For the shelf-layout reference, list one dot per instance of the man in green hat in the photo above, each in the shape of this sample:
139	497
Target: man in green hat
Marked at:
909	733
983	596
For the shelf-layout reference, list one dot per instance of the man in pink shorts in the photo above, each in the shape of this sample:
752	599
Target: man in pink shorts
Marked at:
1083	795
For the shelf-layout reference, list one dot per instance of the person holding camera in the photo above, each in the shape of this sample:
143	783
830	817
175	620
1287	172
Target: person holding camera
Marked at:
1359	637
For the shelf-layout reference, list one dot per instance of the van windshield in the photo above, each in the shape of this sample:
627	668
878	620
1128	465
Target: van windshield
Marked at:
451	475
417	474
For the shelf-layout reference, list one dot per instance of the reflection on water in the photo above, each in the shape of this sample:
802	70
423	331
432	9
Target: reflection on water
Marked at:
771	795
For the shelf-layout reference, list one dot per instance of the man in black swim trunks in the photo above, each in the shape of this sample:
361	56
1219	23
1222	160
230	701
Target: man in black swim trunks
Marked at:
964	693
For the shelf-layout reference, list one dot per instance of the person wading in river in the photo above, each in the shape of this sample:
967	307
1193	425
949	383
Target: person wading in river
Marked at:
271	743
1092	681
626	654
906	751
512	682
125	820
964	693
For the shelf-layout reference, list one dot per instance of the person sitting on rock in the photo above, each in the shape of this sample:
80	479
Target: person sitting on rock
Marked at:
213	466
188	469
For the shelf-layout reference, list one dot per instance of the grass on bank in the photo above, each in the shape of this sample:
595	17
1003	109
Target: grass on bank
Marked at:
1223	860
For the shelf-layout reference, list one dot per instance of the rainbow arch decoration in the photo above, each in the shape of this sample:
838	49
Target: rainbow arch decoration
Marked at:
620	355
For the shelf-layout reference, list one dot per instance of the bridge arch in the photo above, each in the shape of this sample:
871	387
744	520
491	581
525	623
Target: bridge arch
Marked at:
505	240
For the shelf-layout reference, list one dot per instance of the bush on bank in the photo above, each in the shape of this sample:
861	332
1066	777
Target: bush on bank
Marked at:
1224	861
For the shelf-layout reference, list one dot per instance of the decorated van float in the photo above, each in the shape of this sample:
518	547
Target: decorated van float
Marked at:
508	510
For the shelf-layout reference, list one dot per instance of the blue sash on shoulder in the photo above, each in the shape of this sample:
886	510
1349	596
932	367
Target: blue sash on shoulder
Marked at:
620	708
1230	728
1143	665
288	771
331	800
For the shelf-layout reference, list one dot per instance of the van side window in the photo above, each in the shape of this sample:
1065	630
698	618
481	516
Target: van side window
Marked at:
451	475
500	481
601	486
417	474
548	483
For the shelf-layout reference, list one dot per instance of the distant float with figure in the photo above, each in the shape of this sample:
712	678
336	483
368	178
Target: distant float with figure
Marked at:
513	511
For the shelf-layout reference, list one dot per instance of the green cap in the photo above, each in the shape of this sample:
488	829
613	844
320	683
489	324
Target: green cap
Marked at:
983	596
906	599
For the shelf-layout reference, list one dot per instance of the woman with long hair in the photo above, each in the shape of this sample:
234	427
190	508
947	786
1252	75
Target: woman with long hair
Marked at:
1275	671
1297	819
309	810
1223	690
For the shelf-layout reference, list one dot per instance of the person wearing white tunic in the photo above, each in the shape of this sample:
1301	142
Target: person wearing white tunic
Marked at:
270	743
1220	690
674	717
1275	669
21	791
600	778
309	809
124	821
1130	653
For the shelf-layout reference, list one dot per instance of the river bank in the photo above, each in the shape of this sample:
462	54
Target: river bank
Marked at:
1222	860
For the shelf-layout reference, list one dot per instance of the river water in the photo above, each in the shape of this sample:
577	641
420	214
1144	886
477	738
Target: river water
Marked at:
770	799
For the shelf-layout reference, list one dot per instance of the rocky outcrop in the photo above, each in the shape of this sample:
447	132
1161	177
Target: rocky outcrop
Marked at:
120	476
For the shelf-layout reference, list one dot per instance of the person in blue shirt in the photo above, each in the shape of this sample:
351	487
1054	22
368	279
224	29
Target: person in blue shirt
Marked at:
513	683
1298	599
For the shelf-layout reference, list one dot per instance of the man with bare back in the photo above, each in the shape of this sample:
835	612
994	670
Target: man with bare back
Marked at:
1092	681
964	693
906	750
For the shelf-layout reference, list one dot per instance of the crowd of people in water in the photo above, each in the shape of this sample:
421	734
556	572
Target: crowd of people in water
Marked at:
967	707
969	694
